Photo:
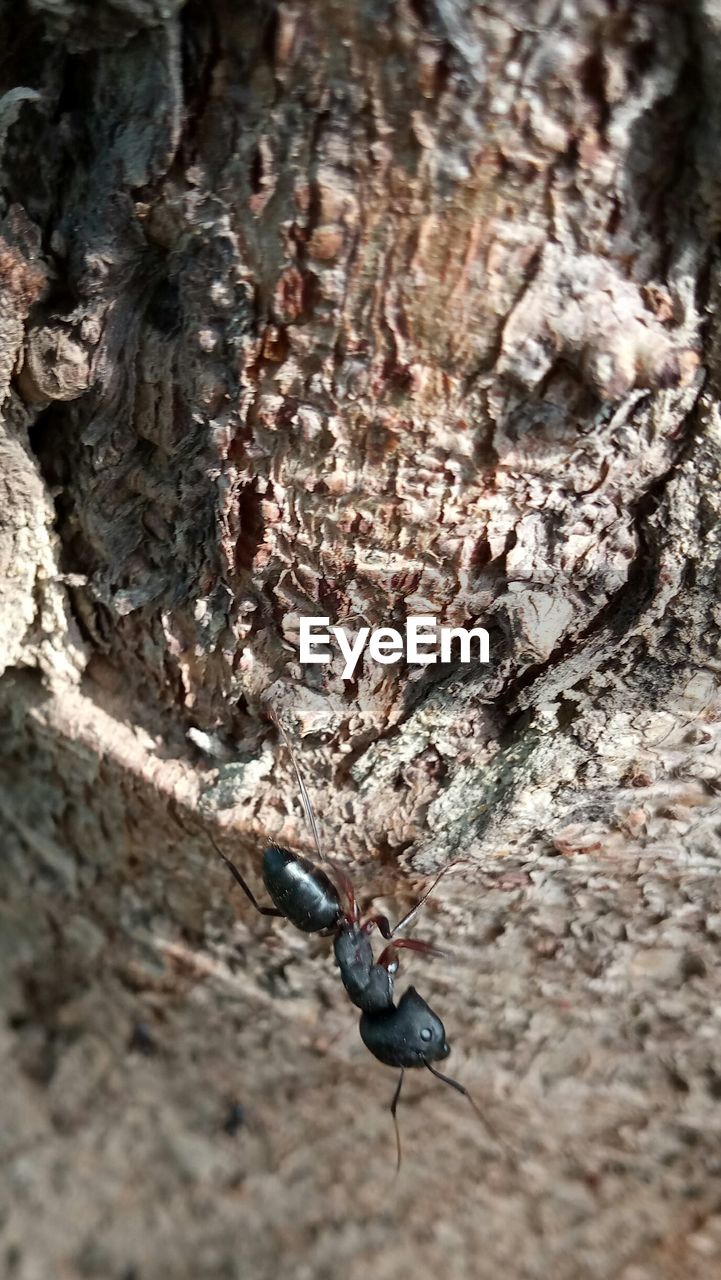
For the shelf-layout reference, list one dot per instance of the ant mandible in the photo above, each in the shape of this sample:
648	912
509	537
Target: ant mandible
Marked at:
405	1035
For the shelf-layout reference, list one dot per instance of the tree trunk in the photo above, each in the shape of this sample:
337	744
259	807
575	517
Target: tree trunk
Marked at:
360	310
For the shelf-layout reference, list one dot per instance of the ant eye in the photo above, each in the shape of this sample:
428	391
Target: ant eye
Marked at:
426	1033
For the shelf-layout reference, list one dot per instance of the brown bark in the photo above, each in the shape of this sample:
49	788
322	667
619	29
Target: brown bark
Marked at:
378	308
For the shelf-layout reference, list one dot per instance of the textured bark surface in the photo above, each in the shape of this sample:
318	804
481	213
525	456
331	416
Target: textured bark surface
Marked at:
359	308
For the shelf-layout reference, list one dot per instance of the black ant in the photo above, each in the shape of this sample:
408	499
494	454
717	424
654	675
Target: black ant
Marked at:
405	1035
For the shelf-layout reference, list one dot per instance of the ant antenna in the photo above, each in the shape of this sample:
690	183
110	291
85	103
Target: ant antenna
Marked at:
490	1128
394	1106
305	798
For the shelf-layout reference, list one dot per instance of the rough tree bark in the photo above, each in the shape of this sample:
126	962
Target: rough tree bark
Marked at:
380	308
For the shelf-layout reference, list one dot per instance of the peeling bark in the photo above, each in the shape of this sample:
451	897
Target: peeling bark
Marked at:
359	309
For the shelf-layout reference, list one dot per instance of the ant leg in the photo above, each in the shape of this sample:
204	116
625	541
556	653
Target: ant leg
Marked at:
388	959
414	910
388	956
264	911
394	1106
381	923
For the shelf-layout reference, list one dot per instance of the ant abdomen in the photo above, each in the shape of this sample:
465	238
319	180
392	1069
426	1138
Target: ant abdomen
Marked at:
301	891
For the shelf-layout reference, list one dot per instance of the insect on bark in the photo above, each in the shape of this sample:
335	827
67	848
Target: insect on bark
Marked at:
404	1035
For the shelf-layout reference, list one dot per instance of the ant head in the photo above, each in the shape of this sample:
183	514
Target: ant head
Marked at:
422	1028
411	1035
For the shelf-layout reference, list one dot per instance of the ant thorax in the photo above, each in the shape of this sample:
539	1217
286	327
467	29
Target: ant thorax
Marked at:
369	985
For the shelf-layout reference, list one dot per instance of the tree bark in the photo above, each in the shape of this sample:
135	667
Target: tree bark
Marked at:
360	310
